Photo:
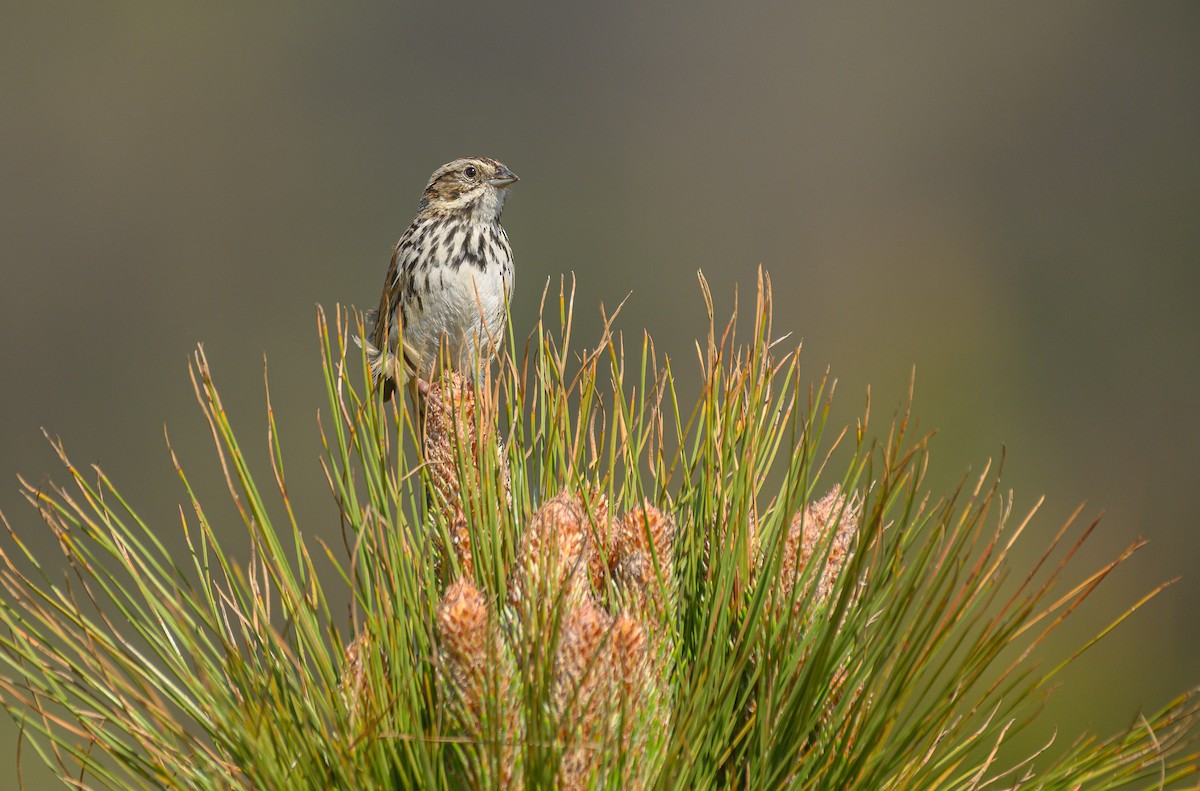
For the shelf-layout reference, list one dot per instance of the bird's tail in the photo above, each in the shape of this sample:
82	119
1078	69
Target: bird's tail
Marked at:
387	371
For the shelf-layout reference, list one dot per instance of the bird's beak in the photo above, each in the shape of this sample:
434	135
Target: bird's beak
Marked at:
504	178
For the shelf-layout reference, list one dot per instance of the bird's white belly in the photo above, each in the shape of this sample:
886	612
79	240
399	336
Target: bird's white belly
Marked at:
464	312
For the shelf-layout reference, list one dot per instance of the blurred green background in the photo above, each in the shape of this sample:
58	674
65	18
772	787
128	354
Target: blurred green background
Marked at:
1007	198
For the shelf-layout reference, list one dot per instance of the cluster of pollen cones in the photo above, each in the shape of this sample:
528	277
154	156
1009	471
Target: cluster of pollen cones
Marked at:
591	596
607	652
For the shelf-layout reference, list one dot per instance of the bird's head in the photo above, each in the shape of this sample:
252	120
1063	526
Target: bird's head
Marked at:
472	186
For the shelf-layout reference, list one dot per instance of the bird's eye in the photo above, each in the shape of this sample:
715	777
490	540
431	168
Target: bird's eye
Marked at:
471	172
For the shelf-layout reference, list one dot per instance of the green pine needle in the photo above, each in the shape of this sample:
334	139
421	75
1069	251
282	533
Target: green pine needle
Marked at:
593	585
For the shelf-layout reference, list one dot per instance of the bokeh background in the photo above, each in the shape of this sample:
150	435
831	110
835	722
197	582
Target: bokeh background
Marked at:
1005	197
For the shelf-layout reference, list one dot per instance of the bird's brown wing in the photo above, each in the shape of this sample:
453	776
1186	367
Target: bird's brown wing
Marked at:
389	315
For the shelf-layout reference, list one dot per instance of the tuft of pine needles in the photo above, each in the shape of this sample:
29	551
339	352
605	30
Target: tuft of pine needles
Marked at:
564	578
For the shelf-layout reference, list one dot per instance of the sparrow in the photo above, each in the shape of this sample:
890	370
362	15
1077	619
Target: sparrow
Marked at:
445	297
